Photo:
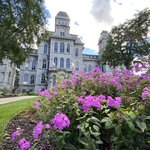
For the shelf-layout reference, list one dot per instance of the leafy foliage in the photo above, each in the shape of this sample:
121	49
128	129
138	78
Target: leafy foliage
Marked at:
128	40
105	126
21	26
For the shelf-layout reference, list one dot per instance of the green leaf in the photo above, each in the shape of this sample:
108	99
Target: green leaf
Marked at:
105	119
96	128
141	125
70	147
117	130
148	117
131	126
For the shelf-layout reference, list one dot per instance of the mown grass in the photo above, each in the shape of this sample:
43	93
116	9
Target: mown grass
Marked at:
9	110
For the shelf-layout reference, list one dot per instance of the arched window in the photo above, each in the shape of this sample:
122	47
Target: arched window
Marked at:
56	61
55	47
85	67
32	79
45	48
77	65
89	68
76	52
26	78
68	63
33	64
43	78
61	62
62	47
68	48
44	63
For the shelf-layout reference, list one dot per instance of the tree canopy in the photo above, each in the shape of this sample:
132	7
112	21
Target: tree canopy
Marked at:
128	40
21	25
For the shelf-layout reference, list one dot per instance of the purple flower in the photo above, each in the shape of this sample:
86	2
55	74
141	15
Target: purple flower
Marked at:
47	126
114	102
24	144
102	97
37	130
15	134
60	121
37	104
90	101
145	93
137	67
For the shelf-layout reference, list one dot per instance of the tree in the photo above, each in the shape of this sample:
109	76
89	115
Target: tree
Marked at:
127	41
21	26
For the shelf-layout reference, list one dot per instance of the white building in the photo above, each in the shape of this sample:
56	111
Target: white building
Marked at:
61	52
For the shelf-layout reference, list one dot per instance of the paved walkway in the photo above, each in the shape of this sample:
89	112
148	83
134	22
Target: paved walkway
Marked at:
13	99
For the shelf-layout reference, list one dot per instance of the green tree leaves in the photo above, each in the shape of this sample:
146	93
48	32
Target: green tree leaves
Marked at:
128	40
21	26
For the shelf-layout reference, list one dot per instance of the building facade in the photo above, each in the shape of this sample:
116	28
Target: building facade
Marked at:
61	53
7	75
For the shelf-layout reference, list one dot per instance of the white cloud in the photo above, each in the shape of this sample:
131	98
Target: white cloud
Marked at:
90	25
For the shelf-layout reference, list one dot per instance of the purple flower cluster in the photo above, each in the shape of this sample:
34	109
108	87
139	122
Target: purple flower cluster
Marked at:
60	121
45	93
37	130
114	102
94	101
37	104
23	144
90	101
15	134
146	93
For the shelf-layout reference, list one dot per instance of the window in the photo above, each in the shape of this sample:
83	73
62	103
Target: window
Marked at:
89	68
62	33
2	76
55	47
27	64
77	65
45	48
54	80
62	47
33	64
56	61
68	48
61	62
76	52
9	76
32	79
68	63
44	63
43	78
26	78
85	67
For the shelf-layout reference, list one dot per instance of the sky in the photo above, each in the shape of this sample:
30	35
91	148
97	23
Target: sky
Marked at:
88	18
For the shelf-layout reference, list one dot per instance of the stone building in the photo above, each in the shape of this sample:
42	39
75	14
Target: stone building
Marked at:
7	75
59	54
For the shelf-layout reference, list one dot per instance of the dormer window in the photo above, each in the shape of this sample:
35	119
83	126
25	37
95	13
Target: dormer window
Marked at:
62	33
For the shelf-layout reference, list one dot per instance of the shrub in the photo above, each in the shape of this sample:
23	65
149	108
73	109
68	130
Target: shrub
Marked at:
96	111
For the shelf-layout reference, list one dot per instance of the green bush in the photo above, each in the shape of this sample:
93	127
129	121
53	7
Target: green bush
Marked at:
96	111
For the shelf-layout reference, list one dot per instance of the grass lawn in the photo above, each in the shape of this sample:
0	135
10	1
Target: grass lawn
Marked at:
9	110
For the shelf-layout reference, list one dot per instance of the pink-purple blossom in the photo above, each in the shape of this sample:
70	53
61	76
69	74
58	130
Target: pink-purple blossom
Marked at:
90	101
24	144
37	104
114	102
15	134
47	126
60	121
146	93
37	130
